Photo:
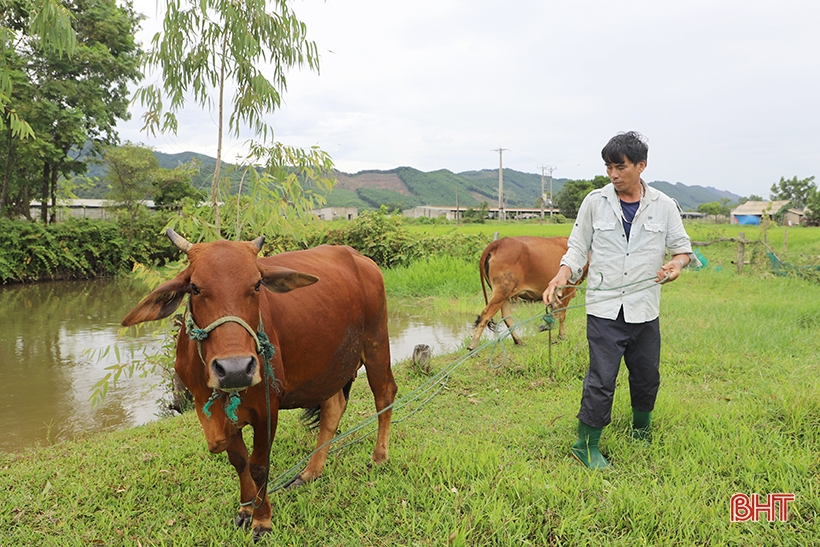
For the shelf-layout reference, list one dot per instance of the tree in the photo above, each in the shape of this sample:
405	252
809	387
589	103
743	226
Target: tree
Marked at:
134	176
812	211
573	193
70	103
208	45
713	208
478	214
172	186
130	173
794	190
48	22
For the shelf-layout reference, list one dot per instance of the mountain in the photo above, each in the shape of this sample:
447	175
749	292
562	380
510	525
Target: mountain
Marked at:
689	197
406	187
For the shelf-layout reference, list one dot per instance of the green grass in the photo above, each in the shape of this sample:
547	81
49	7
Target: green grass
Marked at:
486	462
504	229
439	275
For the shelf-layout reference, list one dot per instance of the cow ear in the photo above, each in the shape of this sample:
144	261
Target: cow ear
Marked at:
162	301
278	279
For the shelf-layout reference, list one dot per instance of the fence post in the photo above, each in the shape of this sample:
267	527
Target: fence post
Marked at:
786	241
741	250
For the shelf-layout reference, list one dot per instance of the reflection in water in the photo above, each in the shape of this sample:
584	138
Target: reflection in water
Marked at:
48	329
46	374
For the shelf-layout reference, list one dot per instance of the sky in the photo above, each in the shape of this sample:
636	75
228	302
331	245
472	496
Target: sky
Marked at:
727	92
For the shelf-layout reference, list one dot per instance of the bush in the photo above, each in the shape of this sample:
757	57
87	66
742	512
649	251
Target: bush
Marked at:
385	239
78	248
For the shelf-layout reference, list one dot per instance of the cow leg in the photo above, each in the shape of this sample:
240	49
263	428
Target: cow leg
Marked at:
561	313
562	330
238	457
384	389
330	414
487	313
506	313
255	506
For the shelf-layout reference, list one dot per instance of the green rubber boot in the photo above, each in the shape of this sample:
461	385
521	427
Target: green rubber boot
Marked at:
585	448
640	425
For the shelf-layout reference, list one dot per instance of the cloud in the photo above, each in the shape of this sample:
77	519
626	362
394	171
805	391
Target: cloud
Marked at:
724	91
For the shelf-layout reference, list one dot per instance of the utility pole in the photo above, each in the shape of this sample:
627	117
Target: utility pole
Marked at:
543	195
549	168
500	183
458	212
552	205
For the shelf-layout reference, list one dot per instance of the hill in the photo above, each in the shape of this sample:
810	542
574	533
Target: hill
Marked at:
689	197
406	187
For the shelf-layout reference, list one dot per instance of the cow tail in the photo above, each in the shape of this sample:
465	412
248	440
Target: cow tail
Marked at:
311	417
484	274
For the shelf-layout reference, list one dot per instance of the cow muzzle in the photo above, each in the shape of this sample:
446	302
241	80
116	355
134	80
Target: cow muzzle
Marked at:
234	373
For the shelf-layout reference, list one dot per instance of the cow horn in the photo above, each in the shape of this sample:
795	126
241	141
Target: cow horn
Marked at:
181	243
258	242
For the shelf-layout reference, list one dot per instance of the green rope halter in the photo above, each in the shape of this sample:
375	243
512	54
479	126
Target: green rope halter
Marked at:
264	348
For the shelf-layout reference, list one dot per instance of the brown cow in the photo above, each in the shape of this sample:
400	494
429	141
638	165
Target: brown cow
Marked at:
523	267
321	334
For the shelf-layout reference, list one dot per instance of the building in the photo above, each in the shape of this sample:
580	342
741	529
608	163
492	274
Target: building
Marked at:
82	208
511	213
752	212
336	213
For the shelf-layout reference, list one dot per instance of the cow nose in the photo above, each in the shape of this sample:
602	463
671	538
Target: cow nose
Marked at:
234	372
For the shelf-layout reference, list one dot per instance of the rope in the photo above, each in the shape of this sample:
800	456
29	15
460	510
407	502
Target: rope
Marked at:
266	350
441	378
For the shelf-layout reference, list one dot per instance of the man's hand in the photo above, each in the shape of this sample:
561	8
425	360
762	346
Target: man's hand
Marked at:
555	290
671	270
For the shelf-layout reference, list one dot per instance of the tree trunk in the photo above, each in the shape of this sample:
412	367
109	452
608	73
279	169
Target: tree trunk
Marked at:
215	181
53	195
44	194
4	193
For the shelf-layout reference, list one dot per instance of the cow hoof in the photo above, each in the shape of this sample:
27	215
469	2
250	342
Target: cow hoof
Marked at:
243	520
296	482
259	532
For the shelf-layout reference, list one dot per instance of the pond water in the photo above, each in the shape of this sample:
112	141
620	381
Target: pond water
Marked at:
53	335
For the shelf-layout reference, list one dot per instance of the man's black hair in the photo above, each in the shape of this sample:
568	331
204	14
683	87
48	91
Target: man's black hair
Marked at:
631	145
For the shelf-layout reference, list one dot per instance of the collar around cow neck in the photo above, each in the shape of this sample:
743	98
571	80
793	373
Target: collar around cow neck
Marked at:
264	348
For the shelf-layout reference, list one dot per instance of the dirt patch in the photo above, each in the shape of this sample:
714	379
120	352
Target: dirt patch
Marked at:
386	180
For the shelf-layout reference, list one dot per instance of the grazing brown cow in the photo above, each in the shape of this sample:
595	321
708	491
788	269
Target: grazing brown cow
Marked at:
522	267
320	335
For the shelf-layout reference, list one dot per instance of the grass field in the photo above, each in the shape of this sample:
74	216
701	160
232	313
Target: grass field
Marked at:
486	462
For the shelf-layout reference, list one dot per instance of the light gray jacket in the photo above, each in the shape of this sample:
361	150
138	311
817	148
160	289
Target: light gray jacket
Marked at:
621	272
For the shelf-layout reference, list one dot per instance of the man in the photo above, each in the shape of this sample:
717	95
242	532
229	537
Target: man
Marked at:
624	229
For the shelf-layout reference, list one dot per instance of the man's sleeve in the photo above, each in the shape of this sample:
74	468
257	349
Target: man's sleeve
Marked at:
677	240
579	242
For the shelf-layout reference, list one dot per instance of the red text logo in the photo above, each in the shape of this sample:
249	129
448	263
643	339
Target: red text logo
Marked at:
773	507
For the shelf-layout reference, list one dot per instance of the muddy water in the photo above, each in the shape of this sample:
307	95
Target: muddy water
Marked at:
53	335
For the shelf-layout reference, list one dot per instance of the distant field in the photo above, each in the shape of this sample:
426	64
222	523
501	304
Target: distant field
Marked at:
790	242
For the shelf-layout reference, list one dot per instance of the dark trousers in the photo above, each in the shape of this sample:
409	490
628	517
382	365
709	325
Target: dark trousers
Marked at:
639	344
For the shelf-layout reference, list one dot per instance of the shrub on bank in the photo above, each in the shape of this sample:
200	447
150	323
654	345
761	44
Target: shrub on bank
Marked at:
78	248
386	239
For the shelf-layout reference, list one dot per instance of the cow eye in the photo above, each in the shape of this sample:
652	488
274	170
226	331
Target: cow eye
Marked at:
258	284
194	289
